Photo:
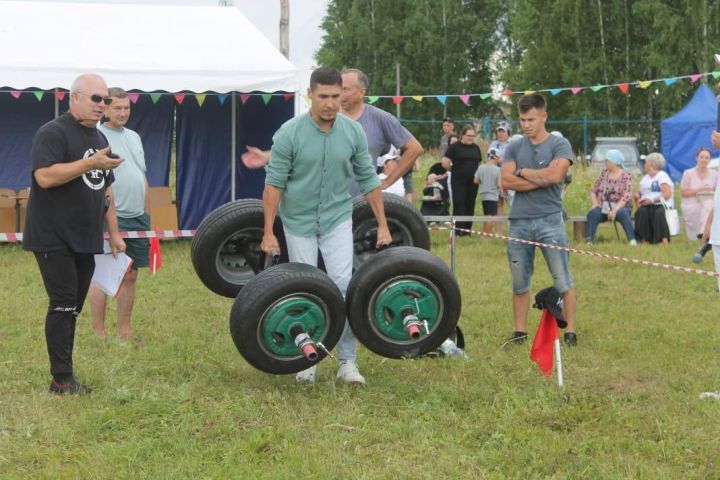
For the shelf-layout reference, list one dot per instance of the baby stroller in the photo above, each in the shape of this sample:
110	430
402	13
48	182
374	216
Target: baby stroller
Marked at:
433	202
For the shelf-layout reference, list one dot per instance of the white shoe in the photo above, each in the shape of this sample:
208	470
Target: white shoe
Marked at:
349	373
633	243
307	375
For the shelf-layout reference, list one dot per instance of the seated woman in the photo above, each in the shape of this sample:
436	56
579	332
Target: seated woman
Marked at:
611	197
650	223
697	188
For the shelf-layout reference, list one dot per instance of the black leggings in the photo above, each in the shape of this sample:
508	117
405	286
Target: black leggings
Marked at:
464	194
66	276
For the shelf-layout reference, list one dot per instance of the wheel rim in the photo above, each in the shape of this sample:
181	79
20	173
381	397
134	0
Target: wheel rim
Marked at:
365	237
240	258
390	302
306	311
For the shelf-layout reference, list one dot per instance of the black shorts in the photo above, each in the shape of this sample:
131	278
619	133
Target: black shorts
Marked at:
490	207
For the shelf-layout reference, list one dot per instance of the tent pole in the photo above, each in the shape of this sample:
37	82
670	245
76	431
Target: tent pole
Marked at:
233	147
57	104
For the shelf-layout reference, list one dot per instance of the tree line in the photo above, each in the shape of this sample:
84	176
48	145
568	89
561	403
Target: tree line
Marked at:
474	46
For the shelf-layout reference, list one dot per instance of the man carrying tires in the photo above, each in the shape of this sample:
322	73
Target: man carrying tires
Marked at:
312	162
535	167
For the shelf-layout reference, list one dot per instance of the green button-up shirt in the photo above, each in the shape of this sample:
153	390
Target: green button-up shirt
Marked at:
314	169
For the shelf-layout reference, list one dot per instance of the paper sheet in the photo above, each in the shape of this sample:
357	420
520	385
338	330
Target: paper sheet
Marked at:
110	271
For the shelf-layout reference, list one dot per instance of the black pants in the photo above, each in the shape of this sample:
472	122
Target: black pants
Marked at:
650	224
66	276
464	194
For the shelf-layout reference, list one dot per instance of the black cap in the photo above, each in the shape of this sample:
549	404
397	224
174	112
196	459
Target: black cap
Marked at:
551	299
448	119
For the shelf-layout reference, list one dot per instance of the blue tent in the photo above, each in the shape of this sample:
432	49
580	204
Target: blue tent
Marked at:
688	130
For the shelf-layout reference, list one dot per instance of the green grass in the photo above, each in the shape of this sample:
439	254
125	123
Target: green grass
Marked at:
185	404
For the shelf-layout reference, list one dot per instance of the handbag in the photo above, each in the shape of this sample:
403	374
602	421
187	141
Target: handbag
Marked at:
671	217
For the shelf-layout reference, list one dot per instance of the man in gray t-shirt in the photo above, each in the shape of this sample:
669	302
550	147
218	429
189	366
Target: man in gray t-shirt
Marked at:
381	128
535	167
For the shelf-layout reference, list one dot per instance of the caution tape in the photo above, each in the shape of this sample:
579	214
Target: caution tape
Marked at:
10	237
606	256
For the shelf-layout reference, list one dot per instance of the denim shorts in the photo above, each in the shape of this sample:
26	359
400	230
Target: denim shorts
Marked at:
549	229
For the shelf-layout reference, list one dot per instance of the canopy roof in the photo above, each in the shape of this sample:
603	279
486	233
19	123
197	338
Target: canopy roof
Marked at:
46	45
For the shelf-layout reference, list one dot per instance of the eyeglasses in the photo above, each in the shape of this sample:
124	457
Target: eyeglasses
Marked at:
95	98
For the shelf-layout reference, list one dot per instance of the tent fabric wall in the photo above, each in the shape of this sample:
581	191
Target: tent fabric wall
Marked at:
204	151
154	123
688	130
19	120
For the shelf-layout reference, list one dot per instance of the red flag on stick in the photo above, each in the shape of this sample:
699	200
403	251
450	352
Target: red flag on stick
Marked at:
542	348
155	255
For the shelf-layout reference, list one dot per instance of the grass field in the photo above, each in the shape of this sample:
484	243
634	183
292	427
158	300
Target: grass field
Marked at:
183	404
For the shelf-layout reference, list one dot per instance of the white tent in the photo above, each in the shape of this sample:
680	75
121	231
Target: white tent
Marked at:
46	45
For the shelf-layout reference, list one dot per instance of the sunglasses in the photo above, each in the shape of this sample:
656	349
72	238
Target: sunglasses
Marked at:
95	98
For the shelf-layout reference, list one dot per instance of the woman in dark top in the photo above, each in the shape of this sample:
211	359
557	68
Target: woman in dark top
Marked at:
465	157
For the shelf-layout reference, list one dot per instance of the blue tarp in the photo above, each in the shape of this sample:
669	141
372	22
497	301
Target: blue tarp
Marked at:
688	130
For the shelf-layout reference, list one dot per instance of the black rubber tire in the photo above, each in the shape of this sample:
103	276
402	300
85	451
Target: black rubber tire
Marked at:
384	270
264	292
226	251
405	222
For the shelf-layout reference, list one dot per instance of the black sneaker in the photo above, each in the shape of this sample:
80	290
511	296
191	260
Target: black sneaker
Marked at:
518	337
570	339
71	387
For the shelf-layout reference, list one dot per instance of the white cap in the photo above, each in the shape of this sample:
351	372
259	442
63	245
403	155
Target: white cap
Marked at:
393	154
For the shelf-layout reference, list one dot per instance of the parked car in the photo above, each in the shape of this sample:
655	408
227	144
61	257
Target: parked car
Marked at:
627	145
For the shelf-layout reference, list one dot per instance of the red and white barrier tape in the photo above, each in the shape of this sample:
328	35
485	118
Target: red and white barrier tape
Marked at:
634	261
17	236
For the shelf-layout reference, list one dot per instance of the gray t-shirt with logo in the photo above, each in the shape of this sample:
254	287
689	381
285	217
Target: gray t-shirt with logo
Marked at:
542	201
382	130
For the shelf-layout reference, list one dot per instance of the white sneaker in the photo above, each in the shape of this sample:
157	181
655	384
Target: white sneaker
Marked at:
307	375
633	243
349	373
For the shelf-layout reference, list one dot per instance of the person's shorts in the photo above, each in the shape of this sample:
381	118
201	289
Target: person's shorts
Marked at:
407	182
550	230
137	248
490	207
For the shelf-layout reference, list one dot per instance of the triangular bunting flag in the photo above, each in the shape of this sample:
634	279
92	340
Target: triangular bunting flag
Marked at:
266	98
222	97
38	94
397	99
133	97
60	95
155	97
200	97
442	99
670	81
644	84
624	87
695	78
555	91
576	90
465	99
244	98
507	92
715	74
528	92
15	93
597	88
180	98
484	96
417	98
372	99
288	96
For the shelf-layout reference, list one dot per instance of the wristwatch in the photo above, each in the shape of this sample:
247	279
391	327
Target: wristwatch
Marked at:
518	172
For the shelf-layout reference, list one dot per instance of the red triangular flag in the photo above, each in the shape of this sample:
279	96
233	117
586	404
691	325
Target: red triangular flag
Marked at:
397	99
624	87
180	98
155	255
542	348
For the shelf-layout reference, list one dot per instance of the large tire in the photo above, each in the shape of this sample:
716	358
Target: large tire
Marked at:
405	222
226	247
274	301
396	281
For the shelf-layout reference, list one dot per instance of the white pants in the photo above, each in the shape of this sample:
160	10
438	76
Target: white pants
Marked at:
716	256
336	247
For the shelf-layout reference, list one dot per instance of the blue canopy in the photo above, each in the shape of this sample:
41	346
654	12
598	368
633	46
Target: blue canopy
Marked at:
688	130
